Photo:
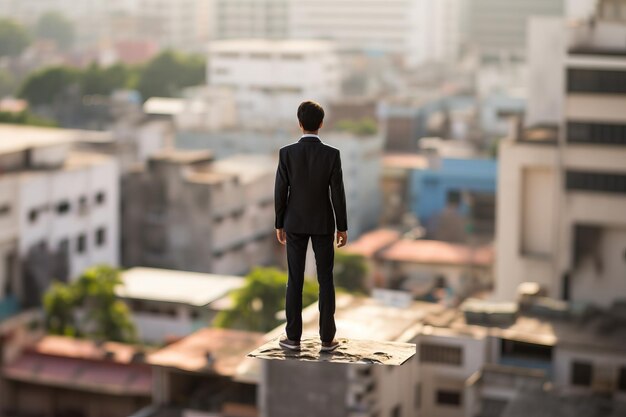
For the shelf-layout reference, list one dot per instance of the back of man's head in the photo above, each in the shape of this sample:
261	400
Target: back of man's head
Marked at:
310	115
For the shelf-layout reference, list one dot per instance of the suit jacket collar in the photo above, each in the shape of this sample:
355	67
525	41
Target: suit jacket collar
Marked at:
309	138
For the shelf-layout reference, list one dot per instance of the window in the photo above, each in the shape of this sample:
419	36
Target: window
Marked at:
82	204
397	411
100	236
621	379
32	215
533	351
582	373
100	197
418	395
63	207
5	209
64	246
447	397
81	243
431	353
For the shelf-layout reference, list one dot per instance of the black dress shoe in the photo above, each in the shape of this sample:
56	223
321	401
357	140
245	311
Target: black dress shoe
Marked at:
328	346
288	343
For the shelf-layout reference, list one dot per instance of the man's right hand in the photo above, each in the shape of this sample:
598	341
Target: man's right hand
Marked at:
342	238
281	236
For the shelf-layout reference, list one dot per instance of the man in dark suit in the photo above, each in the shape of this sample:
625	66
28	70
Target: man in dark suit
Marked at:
310	201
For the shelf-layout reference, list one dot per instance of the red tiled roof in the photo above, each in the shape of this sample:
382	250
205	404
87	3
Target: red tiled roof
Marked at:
228	347
70	347
405	161
81	374
370	243
437	252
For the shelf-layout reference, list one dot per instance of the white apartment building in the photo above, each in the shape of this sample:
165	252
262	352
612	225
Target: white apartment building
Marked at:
245	19
271	77
562	189
188	212
166	304
60	208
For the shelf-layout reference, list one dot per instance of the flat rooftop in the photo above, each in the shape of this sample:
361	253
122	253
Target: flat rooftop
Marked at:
181	287
82	365
227	347
434	252
270	45
248	167
16	138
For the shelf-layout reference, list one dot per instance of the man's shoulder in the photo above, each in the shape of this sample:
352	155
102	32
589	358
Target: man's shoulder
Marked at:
296	145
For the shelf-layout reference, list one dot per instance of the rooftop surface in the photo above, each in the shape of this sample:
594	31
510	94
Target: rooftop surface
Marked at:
349	351
190	288
247	167
437	253
270	45
226	346
368	244
81	364
15	138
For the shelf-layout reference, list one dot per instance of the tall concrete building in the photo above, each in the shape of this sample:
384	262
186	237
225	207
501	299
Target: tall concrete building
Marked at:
562	179
58	209
497	29
271	77
186	211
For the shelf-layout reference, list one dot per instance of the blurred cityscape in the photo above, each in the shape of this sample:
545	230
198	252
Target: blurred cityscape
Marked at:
484	160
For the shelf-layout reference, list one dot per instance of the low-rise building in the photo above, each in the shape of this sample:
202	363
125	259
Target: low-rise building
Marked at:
187	211
58	206
61	375
198	376
167	304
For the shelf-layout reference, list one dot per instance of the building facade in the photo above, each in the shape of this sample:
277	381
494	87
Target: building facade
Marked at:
62	206
561	188
186	211
271	77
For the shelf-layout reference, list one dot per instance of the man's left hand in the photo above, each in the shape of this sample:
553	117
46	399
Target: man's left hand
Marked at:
281	236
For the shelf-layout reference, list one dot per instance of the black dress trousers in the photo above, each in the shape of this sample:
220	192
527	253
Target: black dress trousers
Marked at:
323	247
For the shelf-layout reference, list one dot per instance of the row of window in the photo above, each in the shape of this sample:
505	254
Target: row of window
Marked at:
261	55
100	238
595	181
596	81
596	133
65	206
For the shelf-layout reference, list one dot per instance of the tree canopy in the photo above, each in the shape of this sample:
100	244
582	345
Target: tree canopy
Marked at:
14	38
350	271
255	304
46	85
104	316
169	72
55	26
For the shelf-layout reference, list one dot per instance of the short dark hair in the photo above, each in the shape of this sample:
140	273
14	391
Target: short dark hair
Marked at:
311	115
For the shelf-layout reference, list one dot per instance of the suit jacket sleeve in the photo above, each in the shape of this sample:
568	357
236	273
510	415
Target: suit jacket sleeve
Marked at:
338	195
281	190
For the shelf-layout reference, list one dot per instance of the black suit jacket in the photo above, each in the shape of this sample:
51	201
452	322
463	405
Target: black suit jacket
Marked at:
309	188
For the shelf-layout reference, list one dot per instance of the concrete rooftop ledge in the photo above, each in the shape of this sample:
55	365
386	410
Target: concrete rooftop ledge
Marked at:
349	351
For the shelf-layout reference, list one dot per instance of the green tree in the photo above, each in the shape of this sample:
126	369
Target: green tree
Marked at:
14	38
362	127
255	304
55	26
7	83
105	316
25	118
45	86
350	271
98	80
167	73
